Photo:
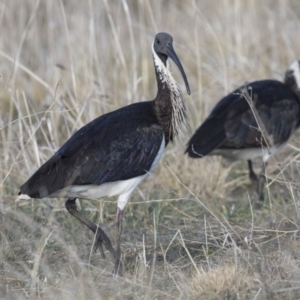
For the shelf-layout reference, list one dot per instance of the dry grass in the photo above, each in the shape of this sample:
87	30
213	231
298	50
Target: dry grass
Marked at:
191	229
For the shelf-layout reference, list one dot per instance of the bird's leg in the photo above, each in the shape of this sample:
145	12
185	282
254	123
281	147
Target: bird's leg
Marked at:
262	181
259	181
101	237
252	175
119	219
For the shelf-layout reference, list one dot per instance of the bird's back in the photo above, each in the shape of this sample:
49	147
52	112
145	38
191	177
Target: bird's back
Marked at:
116	146
233	123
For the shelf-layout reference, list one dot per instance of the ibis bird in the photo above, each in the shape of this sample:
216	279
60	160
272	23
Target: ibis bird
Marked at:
115	152
255	120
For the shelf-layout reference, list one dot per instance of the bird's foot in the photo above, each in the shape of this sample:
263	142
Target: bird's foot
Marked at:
98	244
100	239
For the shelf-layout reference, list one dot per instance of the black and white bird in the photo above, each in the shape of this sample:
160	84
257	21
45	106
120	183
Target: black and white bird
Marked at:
114	153
255	120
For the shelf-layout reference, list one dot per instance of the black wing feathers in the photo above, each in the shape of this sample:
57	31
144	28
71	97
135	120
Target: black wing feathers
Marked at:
208	137
232	123
117	146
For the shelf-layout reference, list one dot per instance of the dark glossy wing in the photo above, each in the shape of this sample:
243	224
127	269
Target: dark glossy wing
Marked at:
232	123
117	146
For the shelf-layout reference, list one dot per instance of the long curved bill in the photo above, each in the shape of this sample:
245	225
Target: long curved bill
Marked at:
172	54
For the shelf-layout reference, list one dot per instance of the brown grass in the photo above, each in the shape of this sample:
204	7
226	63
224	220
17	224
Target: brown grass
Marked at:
191	229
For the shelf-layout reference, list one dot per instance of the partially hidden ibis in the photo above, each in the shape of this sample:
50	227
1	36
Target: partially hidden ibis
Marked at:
255	120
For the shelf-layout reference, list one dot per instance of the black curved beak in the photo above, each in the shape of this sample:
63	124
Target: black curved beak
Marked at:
172	54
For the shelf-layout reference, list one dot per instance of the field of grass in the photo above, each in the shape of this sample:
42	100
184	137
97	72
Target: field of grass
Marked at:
192	229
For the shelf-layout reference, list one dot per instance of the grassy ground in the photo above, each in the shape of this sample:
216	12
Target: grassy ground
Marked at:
192	229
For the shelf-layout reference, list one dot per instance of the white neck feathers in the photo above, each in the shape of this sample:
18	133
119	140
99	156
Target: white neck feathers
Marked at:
178	122
295	69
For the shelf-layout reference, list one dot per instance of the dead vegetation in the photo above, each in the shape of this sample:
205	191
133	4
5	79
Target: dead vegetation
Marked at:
192	229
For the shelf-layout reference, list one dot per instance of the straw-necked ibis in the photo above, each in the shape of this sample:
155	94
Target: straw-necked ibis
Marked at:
112	154
255	120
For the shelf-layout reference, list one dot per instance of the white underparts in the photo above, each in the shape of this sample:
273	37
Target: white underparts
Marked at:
247	154
23	197
178	123
123	188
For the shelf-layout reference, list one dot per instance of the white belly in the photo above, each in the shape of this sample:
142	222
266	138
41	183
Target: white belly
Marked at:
95	192
123	188
246	154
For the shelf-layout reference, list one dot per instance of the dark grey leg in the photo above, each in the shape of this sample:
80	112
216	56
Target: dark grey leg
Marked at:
252	174
258	181
101	237
119	220
262	182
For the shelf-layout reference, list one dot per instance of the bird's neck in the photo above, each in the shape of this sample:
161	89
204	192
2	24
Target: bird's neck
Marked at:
292	79
169	104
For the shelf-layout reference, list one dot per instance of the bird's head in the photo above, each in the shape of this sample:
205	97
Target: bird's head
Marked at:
163	48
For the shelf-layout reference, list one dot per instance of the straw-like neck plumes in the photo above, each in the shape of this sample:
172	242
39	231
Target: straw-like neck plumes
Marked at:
292	77
169	102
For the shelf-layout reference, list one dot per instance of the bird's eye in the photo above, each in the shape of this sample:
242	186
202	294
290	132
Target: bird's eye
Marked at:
158	42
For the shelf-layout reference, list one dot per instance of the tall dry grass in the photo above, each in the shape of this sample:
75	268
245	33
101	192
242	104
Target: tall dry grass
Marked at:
191	230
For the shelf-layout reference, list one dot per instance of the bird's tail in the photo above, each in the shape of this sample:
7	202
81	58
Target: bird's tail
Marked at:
209	136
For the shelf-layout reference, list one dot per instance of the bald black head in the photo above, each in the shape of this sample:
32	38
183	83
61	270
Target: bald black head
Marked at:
162	41
163	46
